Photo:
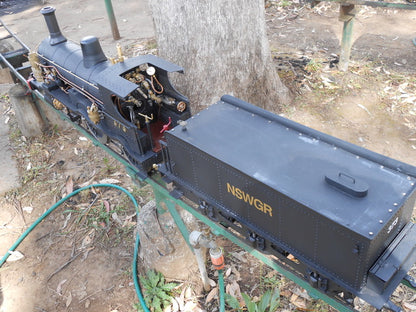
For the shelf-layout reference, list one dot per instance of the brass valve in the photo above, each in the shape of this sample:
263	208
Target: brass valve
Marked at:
93	113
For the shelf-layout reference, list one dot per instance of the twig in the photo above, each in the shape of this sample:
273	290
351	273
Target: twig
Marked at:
64	265
86	211
43	236
93	294
18	207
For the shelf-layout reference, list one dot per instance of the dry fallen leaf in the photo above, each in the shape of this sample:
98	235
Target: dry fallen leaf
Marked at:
211	295
68	217
409	306
181	300
240	256
190	306
69	185
286	293
68	300
175	304
59	287
188	293
237	274
88	238
116	218
27	209
234	289
107	206
299	302
87	303
15	256
109	181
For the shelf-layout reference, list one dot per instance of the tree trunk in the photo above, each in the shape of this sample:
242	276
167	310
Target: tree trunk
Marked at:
223	47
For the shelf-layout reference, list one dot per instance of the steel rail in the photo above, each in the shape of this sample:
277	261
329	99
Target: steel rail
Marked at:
382	4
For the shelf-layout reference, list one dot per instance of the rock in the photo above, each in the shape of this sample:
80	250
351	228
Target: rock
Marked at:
162	246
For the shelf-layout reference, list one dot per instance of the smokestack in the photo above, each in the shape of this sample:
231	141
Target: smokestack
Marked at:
92	51
55	35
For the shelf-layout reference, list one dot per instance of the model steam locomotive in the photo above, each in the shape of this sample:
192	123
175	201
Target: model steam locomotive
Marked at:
334	213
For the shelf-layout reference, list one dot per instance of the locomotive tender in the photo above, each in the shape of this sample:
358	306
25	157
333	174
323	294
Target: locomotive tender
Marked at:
334	213
341	210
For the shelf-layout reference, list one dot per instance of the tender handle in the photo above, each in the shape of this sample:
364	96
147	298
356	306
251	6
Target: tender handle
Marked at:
347	183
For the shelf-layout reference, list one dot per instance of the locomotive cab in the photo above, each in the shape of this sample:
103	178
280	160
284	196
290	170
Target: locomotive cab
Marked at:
140	94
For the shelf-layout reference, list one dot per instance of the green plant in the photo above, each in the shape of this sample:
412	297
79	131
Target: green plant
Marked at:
285	3
313	66
269	282
151	44
105	219
157	292
15	134
32	173
320	306
109	166
269	302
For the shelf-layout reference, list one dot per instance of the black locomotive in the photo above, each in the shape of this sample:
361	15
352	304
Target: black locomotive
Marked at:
334	213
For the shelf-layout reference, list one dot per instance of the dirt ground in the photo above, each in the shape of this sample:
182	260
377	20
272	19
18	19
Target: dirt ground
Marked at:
74	264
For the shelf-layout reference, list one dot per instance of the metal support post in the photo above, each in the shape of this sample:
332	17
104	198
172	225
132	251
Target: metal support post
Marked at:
346	15
112	18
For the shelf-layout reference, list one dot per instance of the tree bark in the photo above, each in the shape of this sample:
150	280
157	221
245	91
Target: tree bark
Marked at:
223	47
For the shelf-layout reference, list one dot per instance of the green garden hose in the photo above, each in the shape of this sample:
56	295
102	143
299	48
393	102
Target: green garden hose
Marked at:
221	287
136	246
46	213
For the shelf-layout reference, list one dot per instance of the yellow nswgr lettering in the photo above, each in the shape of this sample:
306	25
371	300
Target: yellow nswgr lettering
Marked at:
258	204
267	209
249	199
239	193
230	189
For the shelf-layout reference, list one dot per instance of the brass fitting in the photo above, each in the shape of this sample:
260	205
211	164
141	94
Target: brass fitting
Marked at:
120	53
57	104
181	106
34	63
93	113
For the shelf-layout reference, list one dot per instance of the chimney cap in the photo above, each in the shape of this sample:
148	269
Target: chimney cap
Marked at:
47	10
55	35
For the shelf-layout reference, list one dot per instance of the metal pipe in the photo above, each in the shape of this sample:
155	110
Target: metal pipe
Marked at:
112	18
347	14
383	4
198	240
